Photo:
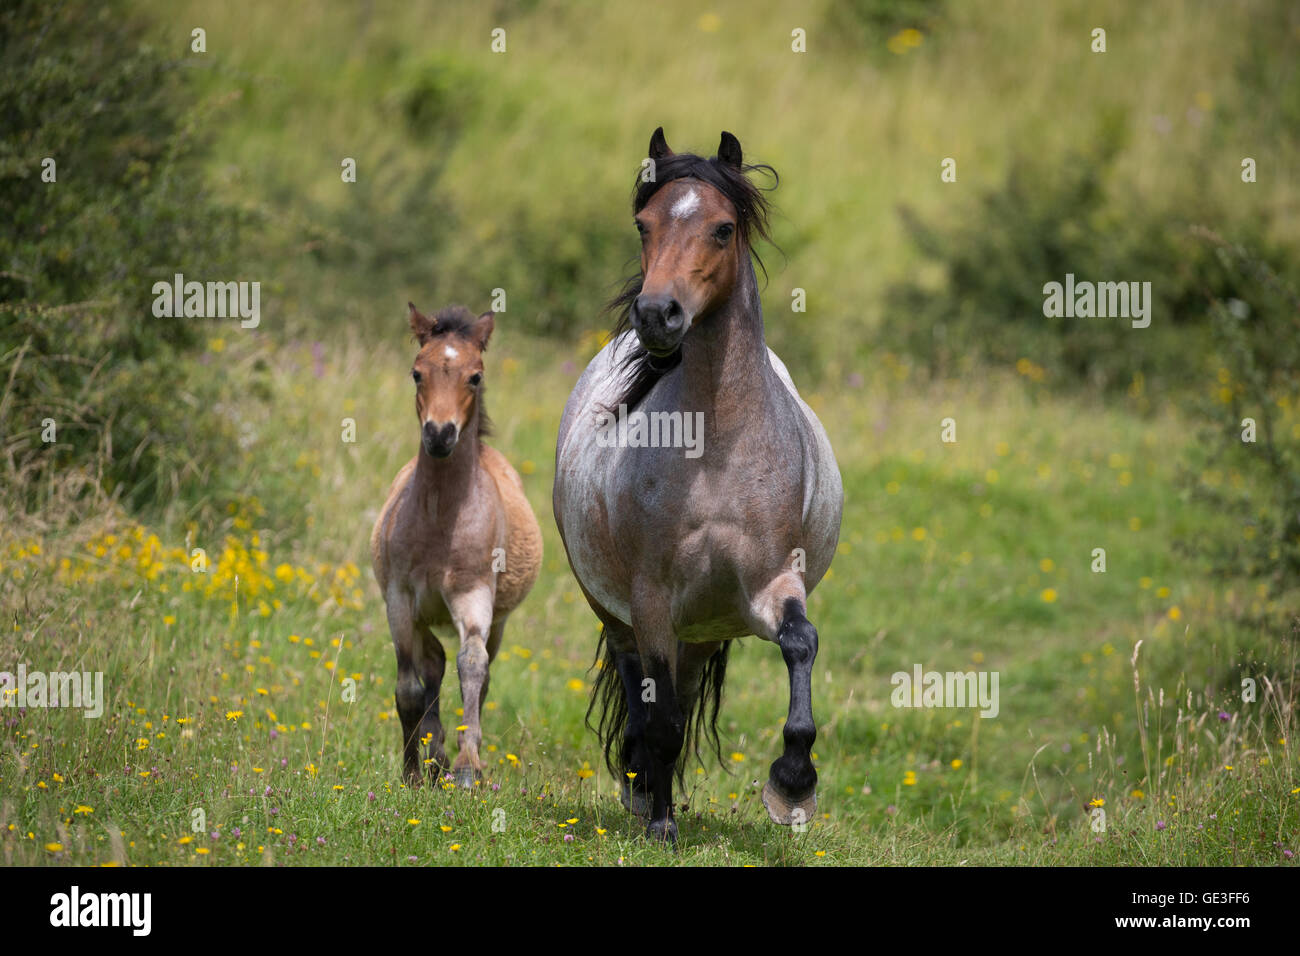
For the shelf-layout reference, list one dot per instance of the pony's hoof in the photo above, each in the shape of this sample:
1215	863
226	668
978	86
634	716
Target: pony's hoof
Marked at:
787	811
467	777
663	831
635	802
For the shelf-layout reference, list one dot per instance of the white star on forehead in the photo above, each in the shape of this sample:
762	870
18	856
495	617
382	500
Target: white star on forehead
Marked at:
450	352
686	205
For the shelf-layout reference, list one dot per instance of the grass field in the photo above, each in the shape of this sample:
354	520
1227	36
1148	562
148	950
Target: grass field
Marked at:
249	714
225	696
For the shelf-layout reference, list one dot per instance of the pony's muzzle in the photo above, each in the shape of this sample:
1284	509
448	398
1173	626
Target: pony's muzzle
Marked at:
440	440
659	322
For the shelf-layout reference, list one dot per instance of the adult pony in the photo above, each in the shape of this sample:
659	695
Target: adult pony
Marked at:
456	546
678	552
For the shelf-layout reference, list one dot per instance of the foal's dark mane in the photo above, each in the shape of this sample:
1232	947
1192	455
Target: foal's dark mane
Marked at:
640	370
458	321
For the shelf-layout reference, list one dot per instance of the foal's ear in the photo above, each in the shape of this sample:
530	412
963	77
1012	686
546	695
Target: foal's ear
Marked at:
659	146
421	324
481	330
729	150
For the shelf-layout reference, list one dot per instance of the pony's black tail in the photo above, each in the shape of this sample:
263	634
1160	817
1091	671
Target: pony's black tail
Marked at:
609	700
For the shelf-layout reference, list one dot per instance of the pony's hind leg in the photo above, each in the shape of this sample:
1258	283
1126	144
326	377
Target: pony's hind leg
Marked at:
790	793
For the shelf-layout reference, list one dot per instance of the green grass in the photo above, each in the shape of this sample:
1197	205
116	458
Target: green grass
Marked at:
967	594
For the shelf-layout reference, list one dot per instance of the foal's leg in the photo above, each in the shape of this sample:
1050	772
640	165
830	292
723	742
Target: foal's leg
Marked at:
497	631
409	694
433	666
665	726
472	612
790	793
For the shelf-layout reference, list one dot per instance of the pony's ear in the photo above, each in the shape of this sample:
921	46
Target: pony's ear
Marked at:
481	330
659	146
729	150
421	325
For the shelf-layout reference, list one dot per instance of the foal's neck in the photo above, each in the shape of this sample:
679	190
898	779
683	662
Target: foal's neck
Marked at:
441	484
723	357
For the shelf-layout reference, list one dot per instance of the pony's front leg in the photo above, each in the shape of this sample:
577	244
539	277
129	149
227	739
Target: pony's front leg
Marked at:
409	695
472	613
790	793
665	727
433	666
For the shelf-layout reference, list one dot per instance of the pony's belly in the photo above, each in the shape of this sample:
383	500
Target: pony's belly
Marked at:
594	562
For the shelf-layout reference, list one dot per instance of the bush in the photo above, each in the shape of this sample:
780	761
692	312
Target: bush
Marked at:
1047	220
79	256
1248	462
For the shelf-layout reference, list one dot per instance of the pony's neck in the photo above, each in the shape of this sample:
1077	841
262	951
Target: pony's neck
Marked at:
441	484
723	356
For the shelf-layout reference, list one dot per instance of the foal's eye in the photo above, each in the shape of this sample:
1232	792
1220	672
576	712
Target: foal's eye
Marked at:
416	376
640	229
475	379
723	232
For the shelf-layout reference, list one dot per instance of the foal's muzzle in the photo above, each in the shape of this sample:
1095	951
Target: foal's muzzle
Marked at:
439	440
659	322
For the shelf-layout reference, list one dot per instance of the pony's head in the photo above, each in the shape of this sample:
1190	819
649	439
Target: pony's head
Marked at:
448	374
697	219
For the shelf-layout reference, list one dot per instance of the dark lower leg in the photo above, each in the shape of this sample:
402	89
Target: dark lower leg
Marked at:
665	731
431	731
409	697
792	774
633	757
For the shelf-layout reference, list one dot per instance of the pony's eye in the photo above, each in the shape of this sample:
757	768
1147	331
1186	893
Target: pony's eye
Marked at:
723	232
640	228
415	375
475	379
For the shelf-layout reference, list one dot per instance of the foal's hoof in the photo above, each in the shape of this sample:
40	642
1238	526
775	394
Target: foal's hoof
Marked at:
663	831
786	810
635	801
467	777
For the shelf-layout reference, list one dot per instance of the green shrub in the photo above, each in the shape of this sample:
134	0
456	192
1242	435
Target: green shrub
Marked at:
1046	220
1247	461
78	256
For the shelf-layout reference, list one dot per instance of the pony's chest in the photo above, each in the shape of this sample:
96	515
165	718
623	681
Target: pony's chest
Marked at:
427	582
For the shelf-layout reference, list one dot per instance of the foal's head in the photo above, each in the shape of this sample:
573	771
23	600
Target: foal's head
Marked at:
448	375
696	221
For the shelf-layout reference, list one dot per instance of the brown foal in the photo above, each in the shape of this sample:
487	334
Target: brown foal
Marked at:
456	547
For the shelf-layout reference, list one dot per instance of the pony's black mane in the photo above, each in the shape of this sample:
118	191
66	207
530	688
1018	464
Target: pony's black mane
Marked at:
640	370
458	320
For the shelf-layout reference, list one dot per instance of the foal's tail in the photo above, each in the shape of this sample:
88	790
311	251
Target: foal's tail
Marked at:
608	697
